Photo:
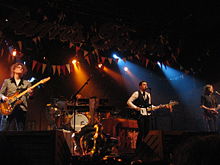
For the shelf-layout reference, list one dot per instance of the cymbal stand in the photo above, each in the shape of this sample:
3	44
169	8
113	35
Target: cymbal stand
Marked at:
75	101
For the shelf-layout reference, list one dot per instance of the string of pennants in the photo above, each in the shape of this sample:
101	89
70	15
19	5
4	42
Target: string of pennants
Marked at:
68	67
62	69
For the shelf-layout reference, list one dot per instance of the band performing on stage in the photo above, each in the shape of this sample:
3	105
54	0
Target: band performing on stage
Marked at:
84	117
95	129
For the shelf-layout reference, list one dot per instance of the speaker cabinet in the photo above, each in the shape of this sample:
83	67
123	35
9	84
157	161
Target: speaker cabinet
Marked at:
163	143
36	147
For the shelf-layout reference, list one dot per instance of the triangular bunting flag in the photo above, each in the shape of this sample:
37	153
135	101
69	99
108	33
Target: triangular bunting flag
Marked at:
38	38
43	67
20	45
58	69
54	69
172	55
124	59
87	59
103	59
137	56
85	53
116	60
68	67
96	51
71	45
39	66
34	63
35	40
147	62
98	58
110	60
77	48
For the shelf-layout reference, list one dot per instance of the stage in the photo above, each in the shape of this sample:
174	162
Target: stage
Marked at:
56	147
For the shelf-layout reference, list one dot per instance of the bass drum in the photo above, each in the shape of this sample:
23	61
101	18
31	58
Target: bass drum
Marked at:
81	121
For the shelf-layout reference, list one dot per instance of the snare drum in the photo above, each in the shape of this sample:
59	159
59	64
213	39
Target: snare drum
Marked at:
81	121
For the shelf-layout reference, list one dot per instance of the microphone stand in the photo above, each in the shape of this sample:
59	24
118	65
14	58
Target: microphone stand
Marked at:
74	96
153	118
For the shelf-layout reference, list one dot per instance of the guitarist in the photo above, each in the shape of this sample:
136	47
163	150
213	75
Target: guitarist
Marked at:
9	87
141	99
210	107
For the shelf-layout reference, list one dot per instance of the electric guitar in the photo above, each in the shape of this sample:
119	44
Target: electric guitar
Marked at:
213	111
7	107
147	111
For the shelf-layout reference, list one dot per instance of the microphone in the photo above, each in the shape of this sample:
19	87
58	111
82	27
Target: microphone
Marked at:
217	93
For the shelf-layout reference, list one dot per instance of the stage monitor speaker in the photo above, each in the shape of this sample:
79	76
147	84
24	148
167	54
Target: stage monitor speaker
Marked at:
35	147
161	144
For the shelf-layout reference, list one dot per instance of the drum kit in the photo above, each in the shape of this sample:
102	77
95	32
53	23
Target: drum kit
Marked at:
84	118
60	116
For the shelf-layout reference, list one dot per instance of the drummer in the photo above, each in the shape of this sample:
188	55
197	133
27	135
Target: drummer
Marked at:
78	103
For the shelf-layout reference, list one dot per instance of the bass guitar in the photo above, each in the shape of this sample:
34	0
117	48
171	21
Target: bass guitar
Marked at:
147	111
7	107
212	111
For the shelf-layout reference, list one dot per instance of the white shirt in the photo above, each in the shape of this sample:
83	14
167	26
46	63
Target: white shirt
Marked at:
134	96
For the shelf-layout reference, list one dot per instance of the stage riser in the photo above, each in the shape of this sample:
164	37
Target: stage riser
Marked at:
163	143
38	147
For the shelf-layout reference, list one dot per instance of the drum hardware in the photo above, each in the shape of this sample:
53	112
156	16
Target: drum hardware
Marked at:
72	115
53	113
80	121
92	141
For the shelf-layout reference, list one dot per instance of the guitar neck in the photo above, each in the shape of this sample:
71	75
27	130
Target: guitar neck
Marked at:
157	107
24	92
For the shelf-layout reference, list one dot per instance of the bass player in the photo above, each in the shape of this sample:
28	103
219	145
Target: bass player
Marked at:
9	87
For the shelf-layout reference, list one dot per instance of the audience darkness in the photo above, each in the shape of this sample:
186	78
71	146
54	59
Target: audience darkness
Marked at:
204	150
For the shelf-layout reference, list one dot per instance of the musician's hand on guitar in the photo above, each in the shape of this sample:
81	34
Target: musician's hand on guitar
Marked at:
138	109
168	106
4	98
30	91
214	110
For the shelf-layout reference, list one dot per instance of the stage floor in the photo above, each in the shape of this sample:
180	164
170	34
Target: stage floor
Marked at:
56	147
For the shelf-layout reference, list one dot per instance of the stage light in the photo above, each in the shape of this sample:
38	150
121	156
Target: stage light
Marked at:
158	63
32	79
125	69
100	65
74	61
115	56
14	52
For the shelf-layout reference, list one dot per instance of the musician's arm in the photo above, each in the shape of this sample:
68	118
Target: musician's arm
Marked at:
202	105
150	102
206	108
133	97
30	91
3	90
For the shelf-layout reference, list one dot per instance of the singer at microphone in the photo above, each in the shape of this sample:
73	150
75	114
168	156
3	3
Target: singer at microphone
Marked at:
210	108
138	100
